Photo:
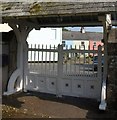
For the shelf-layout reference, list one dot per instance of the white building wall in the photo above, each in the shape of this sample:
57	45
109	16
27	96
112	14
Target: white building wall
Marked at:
82	47
79	43
44	36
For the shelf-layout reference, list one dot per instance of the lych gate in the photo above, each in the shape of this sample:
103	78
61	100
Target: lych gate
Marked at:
65	71
31	15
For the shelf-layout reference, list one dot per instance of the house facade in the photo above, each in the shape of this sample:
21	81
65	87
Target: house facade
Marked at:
94	44
87	40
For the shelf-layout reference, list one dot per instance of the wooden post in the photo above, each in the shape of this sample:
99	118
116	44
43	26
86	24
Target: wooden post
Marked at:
24	33
100	62
25	64
106	20
19	74
60	70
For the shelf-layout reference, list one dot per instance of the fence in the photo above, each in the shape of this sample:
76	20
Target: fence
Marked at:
65	71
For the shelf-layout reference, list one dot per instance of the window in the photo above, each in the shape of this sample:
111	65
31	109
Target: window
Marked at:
82	43
63	43
82	46
79	86
94	44
92	86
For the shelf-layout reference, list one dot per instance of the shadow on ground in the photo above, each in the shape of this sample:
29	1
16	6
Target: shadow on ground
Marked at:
76	106
12	100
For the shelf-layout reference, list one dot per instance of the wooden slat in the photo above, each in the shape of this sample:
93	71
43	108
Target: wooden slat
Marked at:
54	8
69	67
44	50
80	51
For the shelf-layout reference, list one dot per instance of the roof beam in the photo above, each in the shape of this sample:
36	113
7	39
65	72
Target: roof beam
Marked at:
23	22
34	23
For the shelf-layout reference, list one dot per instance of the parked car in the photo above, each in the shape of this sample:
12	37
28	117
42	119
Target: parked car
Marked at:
95	62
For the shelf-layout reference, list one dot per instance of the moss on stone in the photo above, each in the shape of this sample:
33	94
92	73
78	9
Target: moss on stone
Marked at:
35	8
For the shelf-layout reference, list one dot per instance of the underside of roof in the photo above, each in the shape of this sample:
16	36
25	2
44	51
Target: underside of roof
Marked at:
50	14
76	35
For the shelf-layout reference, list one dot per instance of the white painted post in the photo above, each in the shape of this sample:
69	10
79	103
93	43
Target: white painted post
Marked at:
70	71
106	23
60	71
17	74
38	59
99	62
99	67
84	58
25	31
21	33
25	67
31	68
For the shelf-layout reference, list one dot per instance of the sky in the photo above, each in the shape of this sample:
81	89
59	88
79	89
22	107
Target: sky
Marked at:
6	28
87	29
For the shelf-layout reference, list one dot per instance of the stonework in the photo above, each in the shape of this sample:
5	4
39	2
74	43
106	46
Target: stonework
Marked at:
113	36
12	55
10	44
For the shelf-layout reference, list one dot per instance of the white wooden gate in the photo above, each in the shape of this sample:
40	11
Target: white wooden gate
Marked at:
65	71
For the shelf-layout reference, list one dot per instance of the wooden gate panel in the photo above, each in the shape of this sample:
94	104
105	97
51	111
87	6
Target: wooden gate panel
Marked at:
66	72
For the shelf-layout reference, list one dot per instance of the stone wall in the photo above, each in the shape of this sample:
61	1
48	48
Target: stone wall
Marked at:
113	36
112	76
12	55
9	46
112	53
4	64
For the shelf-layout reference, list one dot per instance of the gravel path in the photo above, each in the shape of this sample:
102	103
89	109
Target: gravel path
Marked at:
38	105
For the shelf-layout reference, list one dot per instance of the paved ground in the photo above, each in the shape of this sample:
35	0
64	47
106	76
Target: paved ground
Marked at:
36	105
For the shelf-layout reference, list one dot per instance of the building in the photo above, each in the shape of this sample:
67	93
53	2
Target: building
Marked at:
86	40
45	38
50	38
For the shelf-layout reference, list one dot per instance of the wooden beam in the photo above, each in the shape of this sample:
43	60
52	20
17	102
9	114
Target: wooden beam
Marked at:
37	25
23	23
106	23
53	22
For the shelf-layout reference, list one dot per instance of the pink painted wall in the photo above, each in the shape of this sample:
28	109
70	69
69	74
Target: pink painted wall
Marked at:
91	44
97	43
